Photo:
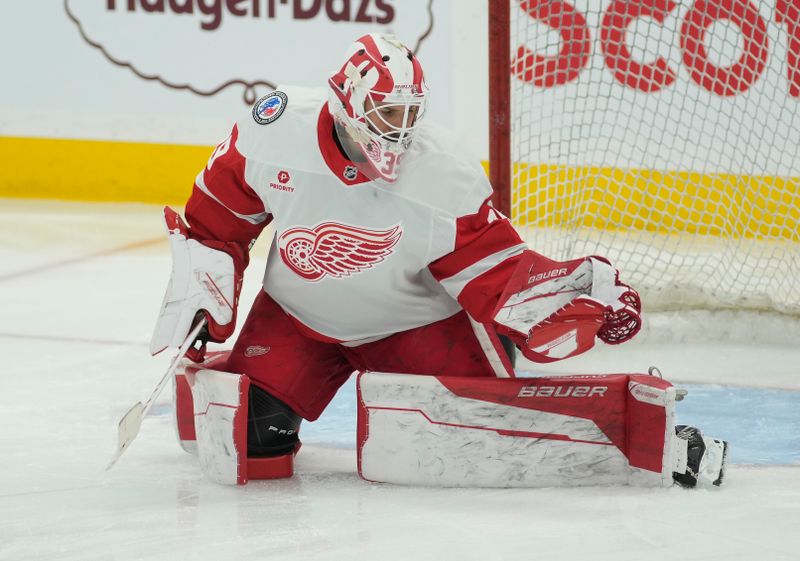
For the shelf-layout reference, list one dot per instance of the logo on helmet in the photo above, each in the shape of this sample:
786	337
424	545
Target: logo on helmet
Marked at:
350	173
270	107
406	88
374	152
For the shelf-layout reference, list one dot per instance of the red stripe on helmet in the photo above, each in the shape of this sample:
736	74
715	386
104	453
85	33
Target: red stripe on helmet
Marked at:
385	83
418	75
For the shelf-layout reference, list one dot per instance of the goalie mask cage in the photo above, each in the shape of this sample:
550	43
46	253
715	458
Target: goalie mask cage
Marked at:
664	135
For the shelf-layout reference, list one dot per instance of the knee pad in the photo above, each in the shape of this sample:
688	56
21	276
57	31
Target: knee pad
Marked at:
272	426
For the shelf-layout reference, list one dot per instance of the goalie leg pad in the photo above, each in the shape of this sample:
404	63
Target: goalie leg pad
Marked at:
221	405
182	397
534	432
220	412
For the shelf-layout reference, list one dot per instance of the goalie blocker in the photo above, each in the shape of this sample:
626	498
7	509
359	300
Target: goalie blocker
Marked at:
529	432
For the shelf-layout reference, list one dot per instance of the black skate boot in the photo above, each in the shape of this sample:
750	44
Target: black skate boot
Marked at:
706	458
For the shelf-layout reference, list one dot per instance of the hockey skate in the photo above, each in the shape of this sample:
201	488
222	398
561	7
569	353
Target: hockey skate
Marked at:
706	458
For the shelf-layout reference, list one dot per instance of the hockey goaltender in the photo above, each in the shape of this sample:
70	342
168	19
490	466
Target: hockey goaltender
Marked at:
389	260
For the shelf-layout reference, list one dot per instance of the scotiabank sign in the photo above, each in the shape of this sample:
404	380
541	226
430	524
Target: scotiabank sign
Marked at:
692	37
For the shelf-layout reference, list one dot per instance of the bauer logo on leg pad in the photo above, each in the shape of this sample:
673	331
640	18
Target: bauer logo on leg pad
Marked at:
562	391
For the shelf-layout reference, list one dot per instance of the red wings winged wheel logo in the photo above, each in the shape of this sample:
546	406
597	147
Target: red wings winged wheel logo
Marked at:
335	249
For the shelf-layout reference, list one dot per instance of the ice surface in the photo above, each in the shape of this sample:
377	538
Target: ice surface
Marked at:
80	286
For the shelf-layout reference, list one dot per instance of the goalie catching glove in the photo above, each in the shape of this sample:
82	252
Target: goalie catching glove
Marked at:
553	310
204	281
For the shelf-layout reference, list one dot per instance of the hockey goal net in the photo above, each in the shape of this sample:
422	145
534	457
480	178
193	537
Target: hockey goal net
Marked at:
664	135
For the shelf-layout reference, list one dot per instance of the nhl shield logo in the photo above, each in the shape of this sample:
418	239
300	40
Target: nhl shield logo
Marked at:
350	173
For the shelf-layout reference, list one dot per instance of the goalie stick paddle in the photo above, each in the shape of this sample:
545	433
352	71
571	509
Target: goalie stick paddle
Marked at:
131	421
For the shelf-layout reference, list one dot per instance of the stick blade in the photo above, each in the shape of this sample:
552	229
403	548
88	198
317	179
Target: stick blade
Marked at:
127	430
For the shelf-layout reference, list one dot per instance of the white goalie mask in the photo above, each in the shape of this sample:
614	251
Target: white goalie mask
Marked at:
377	100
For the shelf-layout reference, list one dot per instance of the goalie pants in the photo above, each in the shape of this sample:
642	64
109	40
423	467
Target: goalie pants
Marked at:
305	373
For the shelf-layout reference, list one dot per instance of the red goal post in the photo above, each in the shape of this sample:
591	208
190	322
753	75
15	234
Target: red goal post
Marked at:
500	103
662	134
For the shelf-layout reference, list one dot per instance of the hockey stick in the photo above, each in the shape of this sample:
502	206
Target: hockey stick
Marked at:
131	421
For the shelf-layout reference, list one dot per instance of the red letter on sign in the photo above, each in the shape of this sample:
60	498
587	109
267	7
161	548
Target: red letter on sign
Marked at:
576	45
649	77
788	12
741	75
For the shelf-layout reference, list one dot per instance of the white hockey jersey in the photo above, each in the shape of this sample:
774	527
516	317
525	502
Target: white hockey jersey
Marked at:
354	260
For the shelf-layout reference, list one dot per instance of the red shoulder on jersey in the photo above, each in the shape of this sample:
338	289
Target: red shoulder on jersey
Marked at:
223	207
487	248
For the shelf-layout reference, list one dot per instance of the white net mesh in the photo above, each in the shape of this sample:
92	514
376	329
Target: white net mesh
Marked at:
665	136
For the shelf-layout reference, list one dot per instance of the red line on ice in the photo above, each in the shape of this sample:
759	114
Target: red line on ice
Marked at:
65	339
80	259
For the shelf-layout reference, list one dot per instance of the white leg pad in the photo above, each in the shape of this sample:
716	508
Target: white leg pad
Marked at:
220	418
534	432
